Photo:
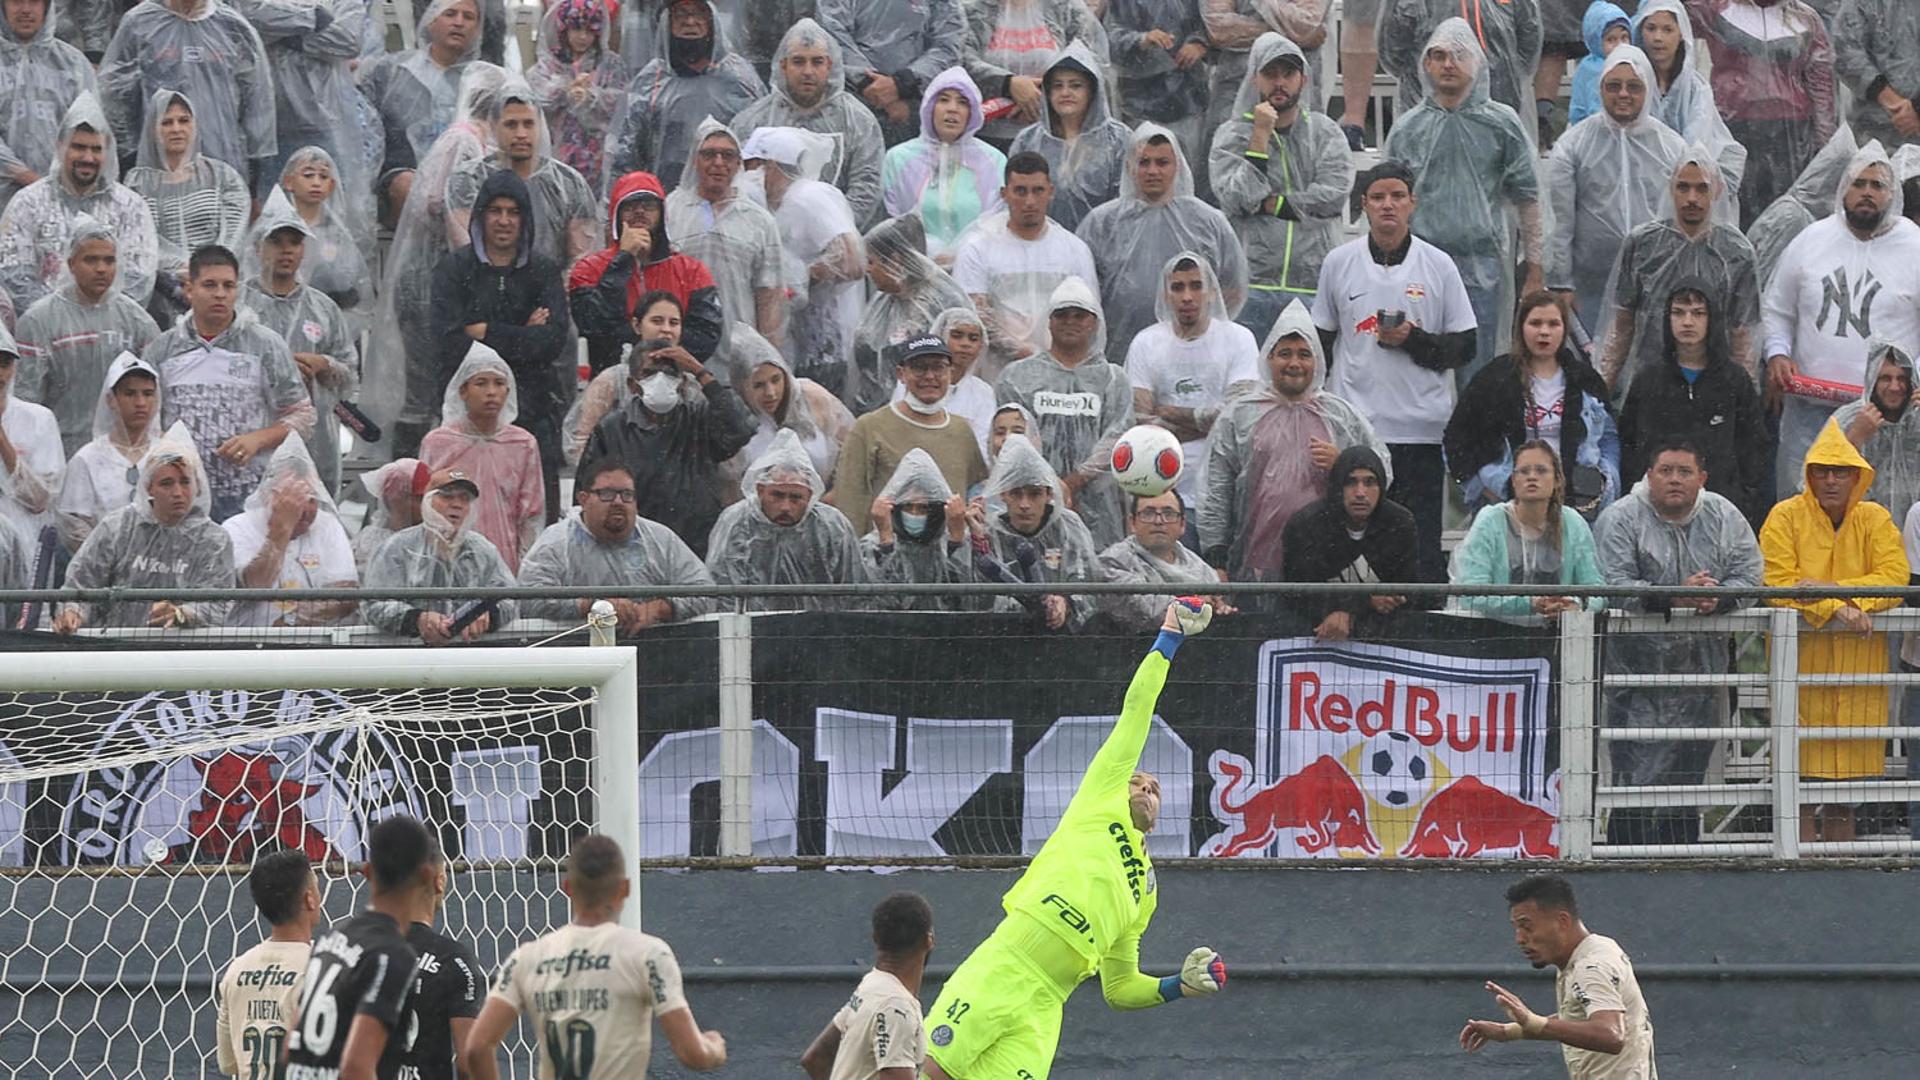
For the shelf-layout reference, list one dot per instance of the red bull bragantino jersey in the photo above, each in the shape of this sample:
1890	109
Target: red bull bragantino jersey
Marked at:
1092	881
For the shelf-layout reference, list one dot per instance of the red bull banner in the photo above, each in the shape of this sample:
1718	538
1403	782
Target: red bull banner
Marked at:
1373	751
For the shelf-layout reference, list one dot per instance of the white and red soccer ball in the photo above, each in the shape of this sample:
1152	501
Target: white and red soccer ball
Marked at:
1147	460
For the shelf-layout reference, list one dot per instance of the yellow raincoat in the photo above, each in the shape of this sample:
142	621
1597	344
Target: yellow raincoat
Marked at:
1799	542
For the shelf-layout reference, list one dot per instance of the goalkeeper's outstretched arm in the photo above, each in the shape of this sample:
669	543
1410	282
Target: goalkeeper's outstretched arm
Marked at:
1117	758
1125	987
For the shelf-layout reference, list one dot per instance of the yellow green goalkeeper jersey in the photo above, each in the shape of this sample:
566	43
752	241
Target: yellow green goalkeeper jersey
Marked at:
1092	882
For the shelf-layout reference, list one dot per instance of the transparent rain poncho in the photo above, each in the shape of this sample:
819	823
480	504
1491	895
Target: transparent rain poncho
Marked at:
1687	104
195	199
922	559
338	239
389	489
130	547
566	215
101	475
67	344
1080	410
1258	470
1655	259
1023	37
748	548
897	247
654	127
311	47
1893	449
1012	282
402	371
568	555
504	462
1132	237
1877	43
808	410
39	222
311	323
579	91
824	257
890	38
1477	176
1509	33
436	554
735	238
1085	167
29	490
39	77
1061	549
947	184
315	558
1605	179
213	57
1308	164
1810	199
1129	561
416	98
853	162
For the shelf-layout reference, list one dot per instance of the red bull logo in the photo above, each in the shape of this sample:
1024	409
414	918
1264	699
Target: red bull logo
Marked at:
1321	801
248	803
1469	818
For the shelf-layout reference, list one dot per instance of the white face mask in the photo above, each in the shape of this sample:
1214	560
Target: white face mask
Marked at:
925	409
660	391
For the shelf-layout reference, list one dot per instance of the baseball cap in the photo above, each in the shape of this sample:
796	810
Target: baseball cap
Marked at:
918	347
1289	59
452	480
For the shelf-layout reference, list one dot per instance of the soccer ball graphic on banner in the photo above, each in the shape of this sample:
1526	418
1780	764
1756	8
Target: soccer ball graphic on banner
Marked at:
1147	460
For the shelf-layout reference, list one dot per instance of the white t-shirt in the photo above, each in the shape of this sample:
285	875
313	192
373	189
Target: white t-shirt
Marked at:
252	1002
1193	375
1406	402
99	481
1020	275
321	557
1831	293
600	986
1547	411
1599	978
879	1029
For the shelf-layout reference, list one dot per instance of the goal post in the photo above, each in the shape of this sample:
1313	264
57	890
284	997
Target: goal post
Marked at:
136	788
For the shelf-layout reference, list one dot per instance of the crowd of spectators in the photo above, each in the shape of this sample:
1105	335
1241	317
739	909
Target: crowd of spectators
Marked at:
878	282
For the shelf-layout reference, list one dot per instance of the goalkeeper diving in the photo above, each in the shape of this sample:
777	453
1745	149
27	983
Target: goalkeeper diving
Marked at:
1078	910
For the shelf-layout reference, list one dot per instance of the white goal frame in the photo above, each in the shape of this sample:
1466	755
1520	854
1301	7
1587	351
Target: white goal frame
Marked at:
610	671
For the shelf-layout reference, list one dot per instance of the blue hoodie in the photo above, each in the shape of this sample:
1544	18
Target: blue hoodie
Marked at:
1585	100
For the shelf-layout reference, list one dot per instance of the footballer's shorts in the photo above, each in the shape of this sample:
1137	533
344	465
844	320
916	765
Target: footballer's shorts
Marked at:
998	1017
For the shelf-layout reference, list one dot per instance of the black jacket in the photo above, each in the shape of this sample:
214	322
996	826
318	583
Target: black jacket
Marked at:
1719	413
469	289
675	460
1490	419
1317	547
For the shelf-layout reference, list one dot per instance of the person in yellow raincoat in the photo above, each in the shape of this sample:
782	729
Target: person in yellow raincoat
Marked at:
1828	535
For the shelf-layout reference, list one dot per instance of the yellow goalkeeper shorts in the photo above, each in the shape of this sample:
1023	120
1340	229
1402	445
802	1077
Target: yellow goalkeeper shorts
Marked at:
998	1017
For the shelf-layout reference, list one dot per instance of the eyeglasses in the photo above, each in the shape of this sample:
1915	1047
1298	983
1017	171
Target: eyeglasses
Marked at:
1161	515
607	495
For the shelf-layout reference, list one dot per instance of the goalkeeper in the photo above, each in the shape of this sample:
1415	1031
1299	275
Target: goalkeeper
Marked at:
1080	908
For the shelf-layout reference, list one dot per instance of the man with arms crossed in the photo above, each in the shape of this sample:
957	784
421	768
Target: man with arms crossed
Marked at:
591	987
1602	1026
1080	908
254	995
877	1035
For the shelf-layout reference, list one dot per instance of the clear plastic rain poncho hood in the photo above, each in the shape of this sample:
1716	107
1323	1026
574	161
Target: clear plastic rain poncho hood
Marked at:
1215	305
1871	155
196	200
920	552
1018	465
480	357
436	554
579	124
917	479
1809	200
784	462
175	447
819	419
39	77
734	237
1659	256
337	243
1687	104
416	98
564	213
1894	447
896	247
106	418
102	471
292	468
1509	32
1133	236
276	214
948	184
214	57
747	547
853	162
1606	178
654	127
1085	167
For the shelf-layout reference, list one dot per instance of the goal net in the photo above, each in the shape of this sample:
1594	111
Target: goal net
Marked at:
137	788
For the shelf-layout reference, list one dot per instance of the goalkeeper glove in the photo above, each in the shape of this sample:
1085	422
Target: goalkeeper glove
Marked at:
1193	613
1204	972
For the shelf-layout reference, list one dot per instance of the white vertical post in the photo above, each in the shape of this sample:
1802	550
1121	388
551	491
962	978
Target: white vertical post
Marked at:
1577	693
1783	687
736	734
616	768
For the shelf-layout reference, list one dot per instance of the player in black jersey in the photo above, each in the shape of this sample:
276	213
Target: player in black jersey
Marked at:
353	1019
448	994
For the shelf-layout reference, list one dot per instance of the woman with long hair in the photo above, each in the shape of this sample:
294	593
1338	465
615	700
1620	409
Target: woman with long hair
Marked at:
1533	538
1544	389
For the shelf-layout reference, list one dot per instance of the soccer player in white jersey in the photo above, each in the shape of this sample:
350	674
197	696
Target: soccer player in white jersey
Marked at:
252	1000
592	988
1602	1024
877	1034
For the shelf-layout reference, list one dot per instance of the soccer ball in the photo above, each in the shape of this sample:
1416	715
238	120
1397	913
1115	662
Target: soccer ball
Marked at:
1394	770
1147	460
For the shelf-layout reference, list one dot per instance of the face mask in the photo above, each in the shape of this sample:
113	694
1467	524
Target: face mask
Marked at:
686	52
925	409
660	391
919	526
